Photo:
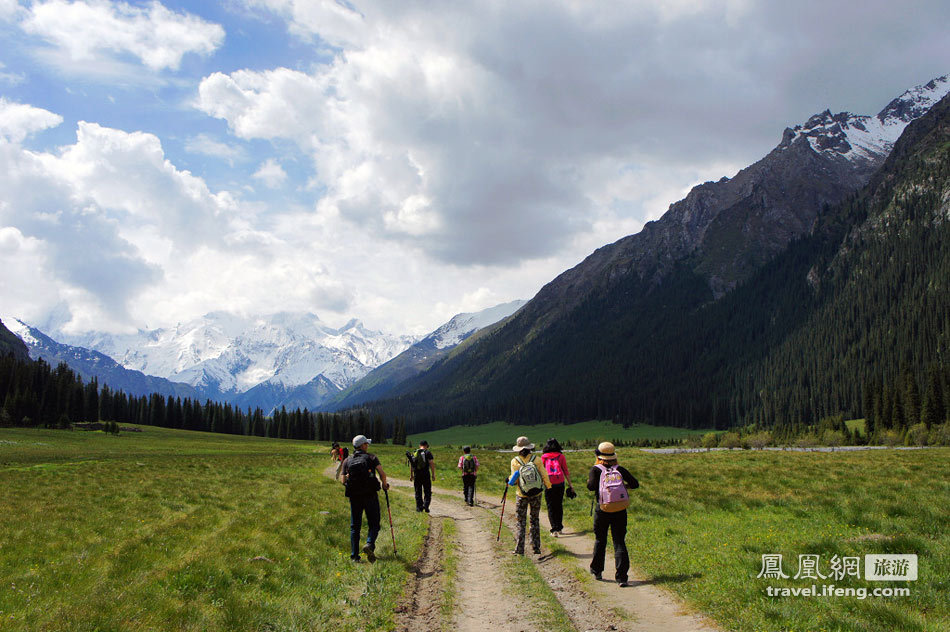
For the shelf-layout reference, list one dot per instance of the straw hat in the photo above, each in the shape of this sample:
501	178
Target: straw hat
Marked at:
606	451
522	444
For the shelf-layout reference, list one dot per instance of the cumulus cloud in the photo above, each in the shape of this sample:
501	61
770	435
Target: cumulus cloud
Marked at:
92	31
271	174
474	134
111	213
17	120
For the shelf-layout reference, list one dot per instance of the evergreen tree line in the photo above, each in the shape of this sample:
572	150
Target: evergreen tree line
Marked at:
35	395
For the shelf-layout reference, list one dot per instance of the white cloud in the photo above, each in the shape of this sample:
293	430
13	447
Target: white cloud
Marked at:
98	31
10	78
17	121
205	144
271	174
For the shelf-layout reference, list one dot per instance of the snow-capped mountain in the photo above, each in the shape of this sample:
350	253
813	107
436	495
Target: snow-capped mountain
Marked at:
864	138
421	356
233	354
461	326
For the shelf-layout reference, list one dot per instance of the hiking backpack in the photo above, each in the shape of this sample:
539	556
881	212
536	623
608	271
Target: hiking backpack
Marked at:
553	466
360	478
529	477
344	452
611	492
468	464
419	460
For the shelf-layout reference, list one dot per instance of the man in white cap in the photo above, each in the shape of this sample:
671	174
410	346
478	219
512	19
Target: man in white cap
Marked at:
531	479
359	478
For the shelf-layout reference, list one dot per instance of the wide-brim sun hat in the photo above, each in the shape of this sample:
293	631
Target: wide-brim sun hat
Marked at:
606	451
522	444
359	440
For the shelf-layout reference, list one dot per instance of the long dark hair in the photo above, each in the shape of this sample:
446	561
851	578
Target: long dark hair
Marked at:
552	446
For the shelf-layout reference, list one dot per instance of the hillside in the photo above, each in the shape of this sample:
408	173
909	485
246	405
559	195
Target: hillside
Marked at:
856	297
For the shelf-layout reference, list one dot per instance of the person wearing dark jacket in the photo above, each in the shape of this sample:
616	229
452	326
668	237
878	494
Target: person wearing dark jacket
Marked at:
359	477
422	473
615	521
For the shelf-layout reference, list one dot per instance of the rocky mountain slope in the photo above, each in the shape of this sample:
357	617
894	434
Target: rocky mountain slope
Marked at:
589	344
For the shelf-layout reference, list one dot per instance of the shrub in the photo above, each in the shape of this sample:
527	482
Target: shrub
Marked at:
940	435
832	438
730	440
806	441
917	435
710	440
759	440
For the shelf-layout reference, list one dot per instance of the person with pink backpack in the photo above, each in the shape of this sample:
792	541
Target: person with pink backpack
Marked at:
611	483
556	466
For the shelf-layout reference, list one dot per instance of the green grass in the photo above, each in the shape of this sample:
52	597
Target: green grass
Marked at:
700	524
159	530
501	433
855	424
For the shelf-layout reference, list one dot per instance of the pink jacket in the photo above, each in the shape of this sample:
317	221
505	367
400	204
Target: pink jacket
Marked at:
556	466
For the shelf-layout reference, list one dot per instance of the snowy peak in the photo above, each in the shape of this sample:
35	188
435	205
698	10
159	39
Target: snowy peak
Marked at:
863	138
233	354
917	101
464	325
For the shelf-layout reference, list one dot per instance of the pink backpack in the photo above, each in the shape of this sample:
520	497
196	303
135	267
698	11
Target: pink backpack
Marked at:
612	492
553	467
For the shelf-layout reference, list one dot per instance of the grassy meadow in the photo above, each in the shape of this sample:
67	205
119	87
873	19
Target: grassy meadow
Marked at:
500	433
171	530
700	523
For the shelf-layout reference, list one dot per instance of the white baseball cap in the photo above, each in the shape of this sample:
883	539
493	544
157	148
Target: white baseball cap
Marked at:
359	440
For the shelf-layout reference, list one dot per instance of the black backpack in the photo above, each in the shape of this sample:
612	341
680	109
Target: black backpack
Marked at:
421	460
361	475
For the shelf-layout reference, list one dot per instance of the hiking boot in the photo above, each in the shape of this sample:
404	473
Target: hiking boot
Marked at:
537	551
596	574
517	552
426	510
624	584
370	553
554	533
355	560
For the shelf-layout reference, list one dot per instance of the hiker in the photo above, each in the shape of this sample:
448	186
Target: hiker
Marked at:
359	478
422	473
468	463
336	455
556	466
530	477
610	482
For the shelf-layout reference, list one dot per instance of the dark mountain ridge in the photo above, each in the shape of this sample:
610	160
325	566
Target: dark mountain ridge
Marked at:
647	329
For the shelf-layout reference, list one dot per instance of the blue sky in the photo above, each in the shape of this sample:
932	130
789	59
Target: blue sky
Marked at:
394	162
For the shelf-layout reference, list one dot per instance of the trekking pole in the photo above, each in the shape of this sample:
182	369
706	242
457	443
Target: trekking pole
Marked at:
390	512
591	505
503	496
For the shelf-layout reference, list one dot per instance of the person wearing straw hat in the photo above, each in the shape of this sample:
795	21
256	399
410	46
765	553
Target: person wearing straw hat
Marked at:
531	479
610	482
359	479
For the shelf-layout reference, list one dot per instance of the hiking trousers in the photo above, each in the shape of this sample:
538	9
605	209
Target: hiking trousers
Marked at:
554	501
423	485
368	503
617	523
468	487
521	510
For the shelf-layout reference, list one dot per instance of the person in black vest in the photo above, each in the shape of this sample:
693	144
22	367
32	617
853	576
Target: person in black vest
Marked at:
359	478
422	473
615	521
